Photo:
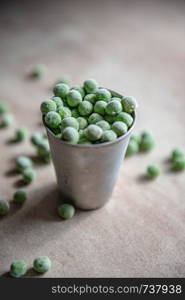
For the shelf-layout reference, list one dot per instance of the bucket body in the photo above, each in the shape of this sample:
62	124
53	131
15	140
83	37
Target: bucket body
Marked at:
86	174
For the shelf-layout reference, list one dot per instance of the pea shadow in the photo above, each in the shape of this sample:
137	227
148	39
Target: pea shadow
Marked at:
143	178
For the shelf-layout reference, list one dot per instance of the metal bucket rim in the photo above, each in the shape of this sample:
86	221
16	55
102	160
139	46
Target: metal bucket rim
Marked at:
95	145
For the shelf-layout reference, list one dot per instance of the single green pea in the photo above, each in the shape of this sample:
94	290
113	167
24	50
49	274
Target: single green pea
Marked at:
18	268
153	171
113	108
129	104
4	108
21	134
42	264
70	135
23	163
64	112
147	142
28	175
61	90
125	118
63	80
103	124
177	153
82	122
133	147
110	119
39	71
58	101
43	147
82	134
116	98
103	94
136	138
66	211
69	122
100	107
119	128
79	89
90	86
94	118
179	164
108	136
73	98
85	108
20	196
91	98
46	158
4	207
94	132
75	113
48	105
36	138
53	119
6	120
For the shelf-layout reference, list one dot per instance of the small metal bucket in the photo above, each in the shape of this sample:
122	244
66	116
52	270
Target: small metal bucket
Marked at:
86	174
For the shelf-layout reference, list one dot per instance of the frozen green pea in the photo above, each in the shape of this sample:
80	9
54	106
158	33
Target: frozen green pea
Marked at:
93	132
53	119
20	196
125	117
179	164
42	264
39	71
153	171
23	163
103	124
6	120
48	105
36	138
61	90
85	108
66	211
94	118
3	108
73	98
18	268
64	112
75	113
136	138
129	104
4	207
177	153
116	98
91	98
147	142
58	101
21	134
63	80
113	108
90	86
69	122
132	148
44	148
70	135
82	122
103	94
100	107
28	175
79	89
110	119
108	136
119	128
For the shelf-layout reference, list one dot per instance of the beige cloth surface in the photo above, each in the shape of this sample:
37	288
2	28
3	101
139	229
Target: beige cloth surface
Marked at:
135	48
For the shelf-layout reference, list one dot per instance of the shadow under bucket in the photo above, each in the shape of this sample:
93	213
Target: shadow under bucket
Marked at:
86	174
